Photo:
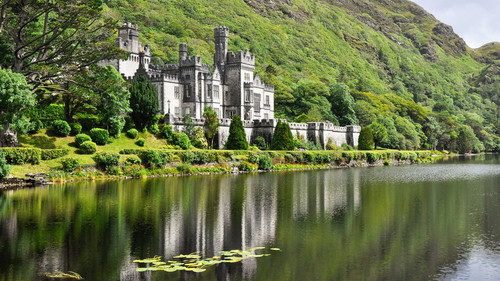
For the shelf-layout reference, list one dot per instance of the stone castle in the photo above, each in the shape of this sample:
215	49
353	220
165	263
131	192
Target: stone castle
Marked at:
231	88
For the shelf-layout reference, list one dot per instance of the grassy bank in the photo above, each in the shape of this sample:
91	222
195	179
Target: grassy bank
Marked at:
134	162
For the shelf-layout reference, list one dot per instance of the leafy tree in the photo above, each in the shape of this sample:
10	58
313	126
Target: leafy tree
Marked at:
198	140
282	138
237	139
467	141
409	137
143	101
211	124
342	104
303	118
188	125
15	98
311	99
365	141
51	39
379	133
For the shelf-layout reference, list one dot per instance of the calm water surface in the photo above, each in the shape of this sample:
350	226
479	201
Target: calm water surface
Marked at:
418	222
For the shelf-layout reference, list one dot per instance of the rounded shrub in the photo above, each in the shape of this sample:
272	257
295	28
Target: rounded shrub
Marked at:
105	160
88	147
265	163
154	129
140	142
153	159
182	140
260	142
61	128
116	124
76	128
4	168
99	136
36	126
247	167
70	164
167	133
184	168
133	160
132	133
81	138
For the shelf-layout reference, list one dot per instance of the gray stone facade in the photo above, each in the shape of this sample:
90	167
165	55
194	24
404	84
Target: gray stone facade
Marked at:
232	88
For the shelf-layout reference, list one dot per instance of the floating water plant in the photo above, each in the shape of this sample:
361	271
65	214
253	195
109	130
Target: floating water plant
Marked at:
195	263
61	275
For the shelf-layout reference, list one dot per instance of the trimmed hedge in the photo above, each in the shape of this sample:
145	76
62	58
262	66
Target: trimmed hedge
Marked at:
140	142
76	128
81	138
49	154
70	164
99	136
21	155
106	160
61	128
88	147
153	159
132	133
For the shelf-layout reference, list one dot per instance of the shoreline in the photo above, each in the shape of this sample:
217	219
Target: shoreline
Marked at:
15	183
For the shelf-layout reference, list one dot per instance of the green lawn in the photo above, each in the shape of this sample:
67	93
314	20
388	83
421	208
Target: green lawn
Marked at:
44	141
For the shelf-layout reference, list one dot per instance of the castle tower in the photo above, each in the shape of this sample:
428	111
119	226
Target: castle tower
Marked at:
221	35
129	36
183	52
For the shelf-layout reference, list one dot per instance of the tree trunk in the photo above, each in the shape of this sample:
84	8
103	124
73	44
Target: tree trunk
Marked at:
8	138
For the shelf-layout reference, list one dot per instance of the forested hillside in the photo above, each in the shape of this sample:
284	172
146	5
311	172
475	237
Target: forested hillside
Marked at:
404	68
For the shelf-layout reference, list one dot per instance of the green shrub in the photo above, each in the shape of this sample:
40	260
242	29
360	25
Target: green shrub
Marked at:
81	138
70	164
116	124
88	122
347	147
61	128
154	129
36	126
282	138
4	167
247	167
237	139
99	136
140	142
49	154
132	133
372	157
153	159
387	163
76	128
167	133
197	157
21	155
182	140
198	139
265	163
88	147
260	142
330	145
128	123
133	160
105	160
365	141
289	158
184	168
348	156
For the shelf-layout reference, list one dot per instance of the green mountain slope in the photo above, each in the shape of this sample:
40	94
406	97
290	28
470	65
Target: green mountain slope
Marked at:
395	57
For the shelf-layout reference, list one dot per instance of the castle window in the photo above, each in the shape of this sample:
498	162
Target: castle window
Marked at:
247	95
177	111
176	92
216	91
187	77
267	100
256	103
187	91
247	76
187	111
266	116
226	96
209	91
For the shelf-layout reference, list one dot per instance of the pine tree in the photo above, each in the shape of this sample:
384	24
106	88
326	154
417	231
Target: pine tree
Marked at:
237	139
143	101
282	138
365	141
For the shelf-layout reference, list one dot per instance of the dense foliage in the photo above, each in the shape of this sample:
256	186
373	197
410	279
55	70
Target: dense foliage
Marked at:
99	136
237	139
4	167
211	124
143	101
282	138
365	141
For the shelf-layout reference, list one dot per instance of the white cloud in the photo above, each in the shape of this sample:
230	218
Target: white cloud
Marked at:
475	21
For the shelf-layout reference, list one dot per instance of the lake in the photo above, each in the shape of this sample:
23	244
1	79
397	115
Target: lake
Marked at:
415	222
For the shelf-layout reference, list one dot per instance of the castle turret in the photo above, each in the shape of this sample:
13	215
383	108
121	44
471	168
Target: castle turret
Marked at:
221	35
183	52
129	37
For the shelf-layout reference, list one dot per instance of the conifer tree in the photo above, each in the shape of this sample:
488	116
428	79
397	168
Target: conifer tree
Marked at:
365	141
143	102
211	124
237	139
282	138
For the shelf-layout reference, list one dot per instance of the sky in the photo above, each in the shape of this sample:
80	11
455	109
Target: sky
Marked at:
476	21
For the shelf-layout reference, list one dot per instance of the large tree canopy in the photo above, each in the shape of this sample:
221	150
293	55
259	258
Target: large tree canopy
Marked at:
15	97
51	38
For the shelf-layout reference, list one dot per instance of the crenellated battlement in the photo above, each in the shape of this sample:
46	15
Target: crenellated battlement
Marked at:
241	57
191	61
221	31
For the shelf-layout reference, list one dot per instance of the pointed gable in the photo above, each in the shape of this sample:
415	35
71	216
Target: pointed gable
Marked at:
256	79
